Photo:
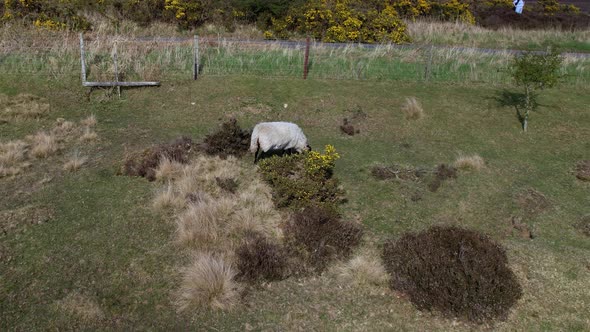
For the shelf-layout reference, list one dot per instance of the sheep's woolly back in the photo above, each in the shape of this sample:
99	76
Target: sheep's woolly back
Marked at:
277	136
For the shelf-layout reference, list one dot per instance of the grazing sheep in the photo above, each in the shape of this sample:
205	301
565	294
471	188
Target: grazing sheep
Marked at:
277	136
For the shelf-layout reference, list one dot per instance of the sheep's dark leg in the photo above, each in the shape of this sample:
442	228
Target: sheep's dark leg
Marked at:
256	153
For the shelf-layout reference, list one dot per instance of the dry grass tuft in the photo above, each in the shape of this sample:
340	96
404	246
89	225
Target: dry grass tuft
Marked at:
168	169
89	121
167	198
202	225
473	162
22	106
81	306
43	144
12	152
412	109
9	171
62	128
88	135
74	162
364	269
207	282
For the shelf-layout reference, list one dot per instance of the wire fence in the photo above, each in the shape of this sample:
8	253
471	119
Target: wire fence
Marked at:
165	59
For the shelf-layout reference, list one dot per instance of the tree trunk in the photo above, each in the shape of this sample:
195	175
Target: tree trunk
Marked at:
527	108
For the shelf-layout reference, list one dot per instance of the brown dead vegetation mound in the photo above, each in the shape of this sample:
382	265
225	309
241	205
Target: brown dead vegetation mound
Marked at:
456	271
258	258
318	235
230	139
146	162
583	170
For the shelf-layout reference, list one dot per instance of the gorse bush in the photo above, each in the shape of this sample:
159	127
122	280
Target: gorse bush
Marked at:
326	20
300	179
456	271
341	21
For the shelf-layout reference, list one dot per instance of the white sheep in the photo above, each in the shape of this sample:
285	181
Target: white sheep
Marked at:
277	136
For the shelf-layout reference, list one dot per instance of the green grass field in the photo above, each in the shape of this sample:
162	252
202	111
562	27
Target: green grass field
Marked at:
103	259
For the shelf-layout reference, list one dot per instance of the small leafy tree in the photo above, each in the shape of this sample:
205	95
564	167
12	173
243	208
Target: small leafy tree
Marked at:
535	71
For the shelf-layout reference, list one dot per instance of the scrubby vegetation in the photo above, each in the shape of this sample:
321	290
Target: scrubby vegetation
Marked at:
230	139
258	259
456	271
318	236
301	179
332	20
208	282
146	162
583	170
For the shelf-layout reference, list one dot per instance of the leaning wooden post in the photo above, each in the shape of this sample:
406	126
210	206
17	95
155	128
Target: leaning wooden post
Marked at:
306	59
116	69
196	58
82	58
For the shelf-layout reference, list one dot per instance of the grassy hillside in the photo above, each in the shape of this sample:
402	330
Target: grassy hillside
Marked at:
84	250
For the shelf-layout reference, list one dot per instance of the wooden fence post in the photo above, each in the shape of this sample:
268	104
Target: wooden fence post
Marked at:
196	58
306	59
116	69
82	58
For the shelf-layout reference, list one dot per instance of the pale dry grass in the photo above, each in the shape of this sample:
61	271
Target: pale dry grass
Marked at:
168	170
90	121
200	175
22	106
457	33
213	218
413	109
166	198
13	152
364	269
472	162
6	171
81	306
62	128
74	162
88	135
207	282
43	144
202	225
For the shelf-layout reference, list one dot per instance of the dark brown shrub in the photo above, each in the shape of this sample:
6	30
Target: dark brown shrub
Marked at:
584	225
456	271
583	170
228	184
532	201
230	139
260	259
347	128
318	234
497	18
441	174
145	162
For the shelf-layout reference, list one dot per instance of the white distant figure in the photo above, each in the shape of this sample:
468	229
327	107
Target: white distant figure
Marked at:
518	6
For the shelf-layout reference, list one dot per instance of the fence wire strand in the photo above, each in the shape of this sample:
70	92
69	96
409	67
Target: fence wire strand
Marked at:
161	59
